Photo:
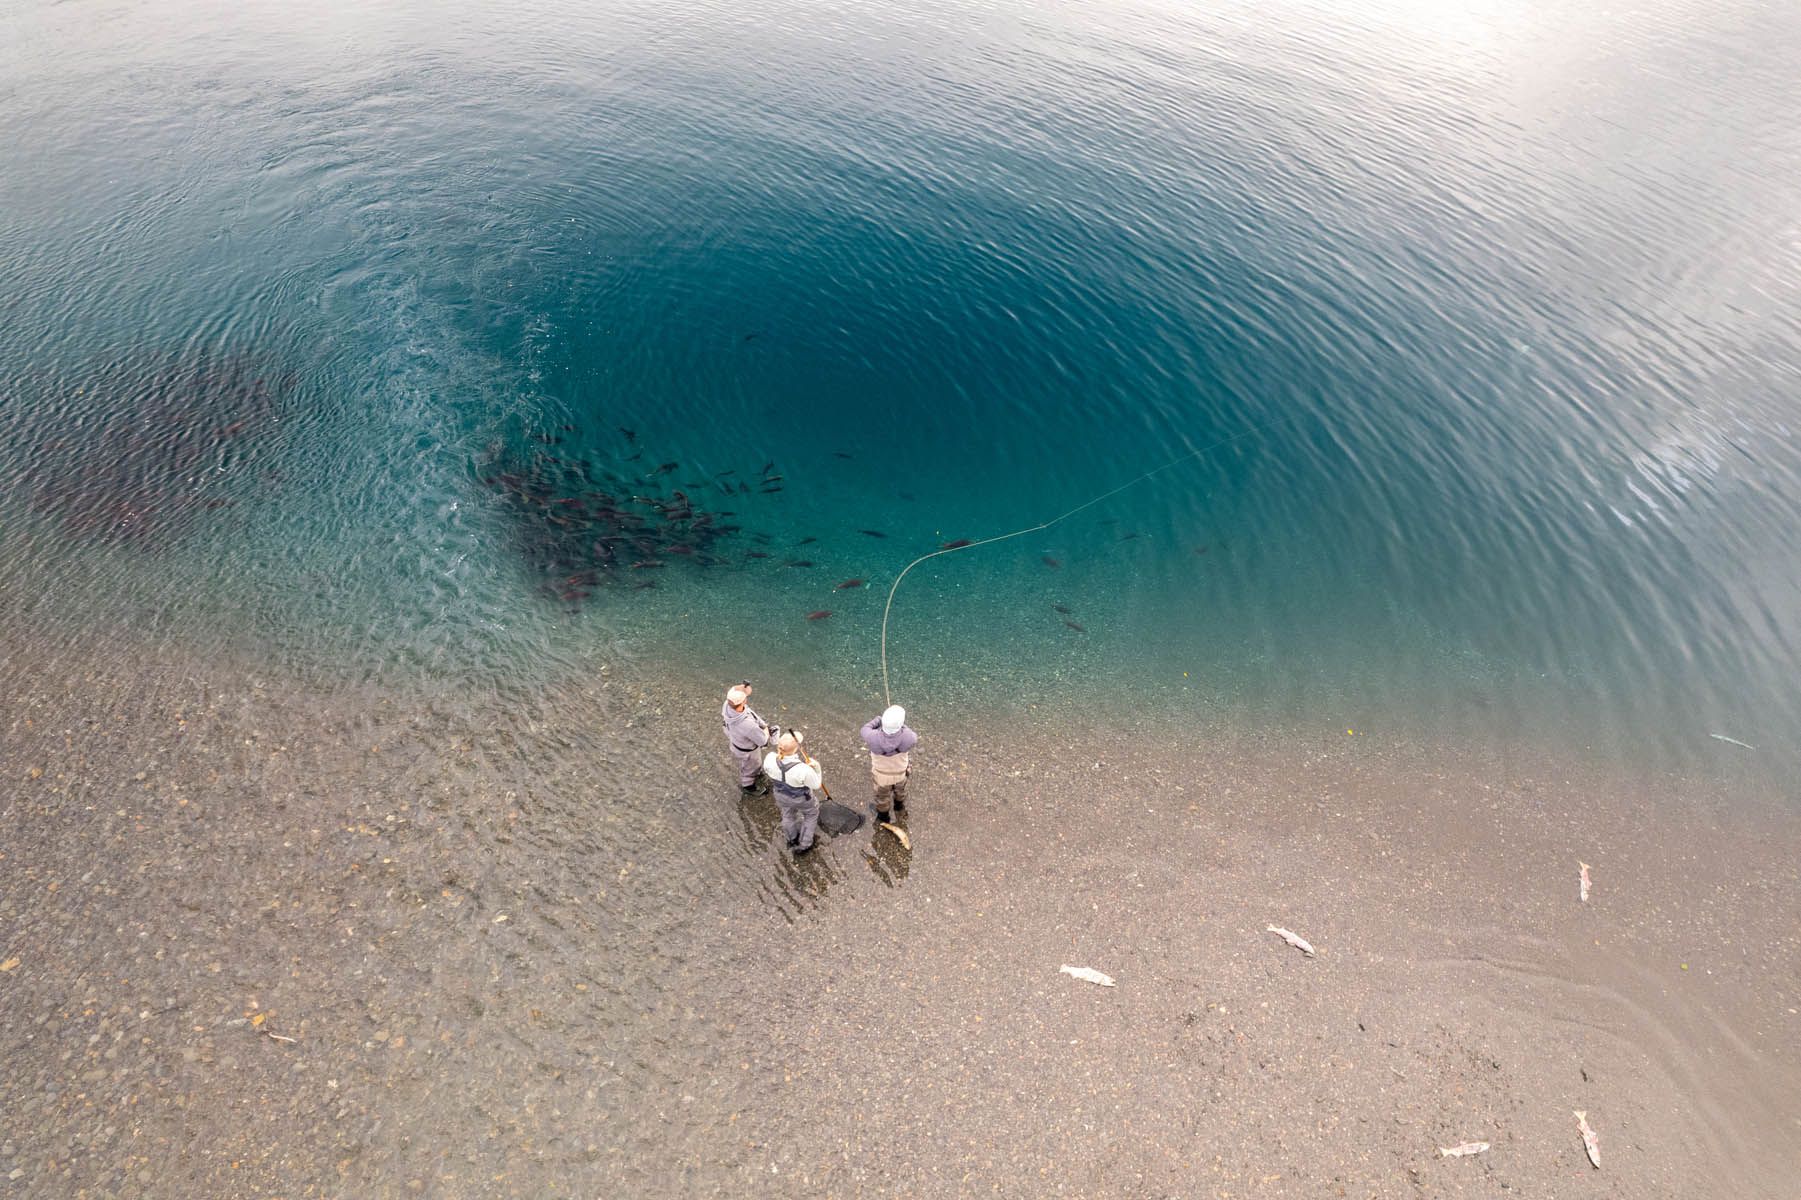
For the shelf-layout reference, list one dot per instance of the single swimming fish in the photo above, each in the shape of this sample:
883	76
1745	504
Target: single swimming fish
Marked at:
819	614
1293	939
1591	1141
1463	1148
1087	975
1733	740
806	541
1586	882
1062	608
899	833
956	545
1075	626
876	533
1052	563
848	583
798	562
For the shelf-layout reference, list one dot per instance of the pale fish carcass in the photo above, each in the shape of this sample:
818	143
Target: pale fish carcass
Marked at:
1293	939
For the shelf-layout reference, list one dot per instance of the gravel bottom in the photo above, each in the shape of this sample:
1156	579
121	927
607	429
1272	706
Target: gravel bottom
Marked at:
266	941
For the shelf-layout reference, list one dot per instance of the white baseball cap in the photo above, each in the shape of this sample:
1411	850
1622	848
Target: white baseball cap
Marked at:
734	695
893	717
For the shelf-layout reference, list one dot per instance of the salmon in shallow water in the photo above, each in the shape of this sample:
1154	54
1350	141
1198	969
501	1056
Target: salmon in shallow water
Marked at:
1075	626
848	583
819	615
957	545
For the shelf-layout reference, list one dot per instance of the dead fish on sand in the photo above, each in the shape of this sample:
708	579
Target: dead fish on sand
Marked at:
1586	881
1733	740
848	583
1591	1141
899	833
819	614
1462	1149
1293	939
1087	975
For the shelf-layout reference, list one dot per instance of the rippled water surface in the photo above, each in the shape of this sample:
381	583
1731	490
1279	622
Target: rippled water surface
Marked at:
358	337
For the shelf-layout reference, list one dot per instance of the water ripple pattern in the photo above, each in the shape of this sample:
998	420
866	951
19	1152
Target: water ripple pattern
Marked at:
760	299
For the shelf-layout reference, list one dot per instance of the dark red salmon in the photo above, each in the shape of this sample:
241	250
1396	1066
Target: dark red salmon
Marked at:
819	614
957	545
848	583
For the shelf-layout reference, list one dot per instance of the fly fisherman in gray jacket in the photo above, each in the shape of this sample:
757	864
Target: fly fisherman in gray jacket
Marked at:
890	743
747	733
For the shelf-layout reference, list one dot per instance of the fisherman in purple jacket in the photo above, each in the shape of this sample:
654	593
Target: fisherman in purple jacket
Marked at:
889	741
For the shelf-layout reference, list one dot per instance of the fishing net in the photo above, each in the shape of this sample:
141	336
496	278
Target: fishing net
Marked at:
836	819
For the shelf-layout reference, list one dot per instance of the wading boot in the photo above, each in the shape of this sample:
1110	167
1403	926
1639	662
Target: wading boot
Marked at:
882	814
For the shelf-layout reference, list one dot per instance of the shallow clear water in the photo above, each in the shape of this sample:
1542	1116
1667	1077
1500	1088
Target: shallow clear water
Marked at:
1497	309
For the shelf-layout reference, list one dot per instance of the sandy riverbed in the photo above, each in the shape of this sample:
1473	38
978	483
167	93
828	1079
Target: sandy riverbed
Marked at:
534	945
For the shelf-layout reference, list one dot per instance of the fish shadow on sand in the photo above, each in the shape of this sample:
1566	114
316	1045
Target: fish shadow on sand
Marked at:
886	859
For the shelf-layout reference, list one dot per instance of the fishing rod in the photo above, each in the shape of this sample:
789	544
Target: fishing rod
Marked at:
887	698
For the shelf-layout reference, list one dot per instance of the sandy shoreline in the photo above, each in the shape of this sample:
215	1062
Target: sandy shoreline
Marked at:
540	948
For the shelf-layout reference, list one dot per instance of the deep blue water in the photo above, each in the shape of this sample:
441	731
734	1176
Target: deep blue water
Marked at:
1496	305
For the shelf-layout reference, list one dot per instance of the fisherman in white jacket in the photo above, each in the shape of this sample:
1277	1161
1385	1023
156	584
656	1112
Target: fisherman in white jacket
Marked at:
795	776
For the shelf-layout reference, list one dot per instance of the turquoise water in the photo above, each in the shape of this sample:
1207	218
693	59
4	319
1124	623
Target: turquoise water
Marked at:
1497	307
